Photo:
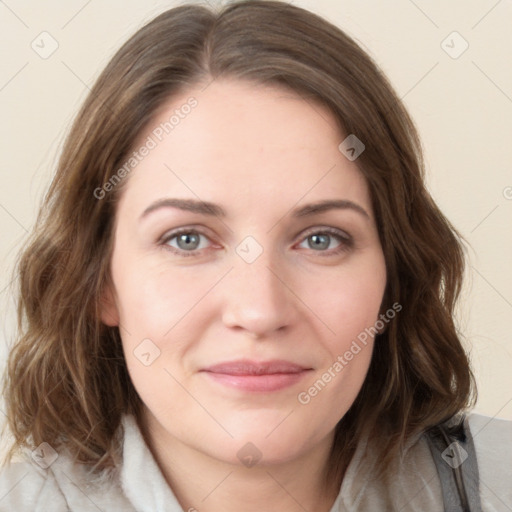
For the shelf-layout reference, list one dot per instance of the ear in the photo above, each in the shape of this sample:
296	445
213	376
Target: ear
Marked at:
109	312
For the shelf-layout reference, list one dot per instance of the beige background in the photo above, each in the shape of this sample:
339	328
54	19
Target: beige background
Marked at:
462	107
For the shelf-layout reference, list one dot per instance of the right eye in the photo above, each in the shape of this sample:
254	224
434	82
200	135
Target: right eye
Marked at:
184	242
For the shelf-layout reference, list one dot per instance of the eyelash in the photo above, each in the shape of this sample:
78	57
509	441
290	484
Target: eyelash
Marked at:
346	241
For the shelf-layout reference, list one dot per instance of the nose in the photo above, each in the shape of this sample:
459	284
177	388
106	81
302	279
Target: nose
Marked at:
258	299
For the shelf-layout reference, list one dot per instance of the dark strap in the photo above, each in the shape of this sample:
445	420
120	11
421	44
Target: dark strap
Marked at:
453	451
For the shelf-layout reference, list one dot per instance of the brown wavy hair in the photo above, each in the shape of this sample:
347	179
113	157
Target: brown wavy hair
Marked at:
66	380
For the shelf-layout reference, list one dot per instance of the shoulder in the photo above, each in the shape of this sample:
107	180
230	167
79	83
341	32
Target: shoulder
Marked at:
494	432
492	438
61	486
25	487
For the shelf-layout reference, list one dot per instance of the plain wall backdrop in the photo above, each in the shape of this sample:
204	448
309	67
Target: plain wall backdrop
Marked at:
450	62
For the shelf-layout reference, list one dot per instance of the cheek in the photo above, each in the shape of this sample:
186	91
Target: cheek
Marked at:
350	307
155	306
349	303
153	298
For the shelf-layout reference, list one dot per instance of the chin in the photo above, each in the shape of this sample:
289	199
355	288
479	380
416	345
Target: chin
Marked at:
254	444
249	453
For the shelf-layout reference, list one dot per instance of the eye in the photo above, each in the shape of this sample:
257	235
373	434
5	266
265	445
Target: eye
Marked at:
190	242
184	241
322	241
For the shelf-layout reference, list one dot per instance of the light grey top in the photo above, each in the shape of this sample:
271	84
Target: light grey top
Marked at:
140	486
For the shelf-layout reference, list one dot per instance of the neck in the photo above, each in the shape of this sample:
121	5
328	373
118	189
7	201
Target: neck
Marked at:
205	484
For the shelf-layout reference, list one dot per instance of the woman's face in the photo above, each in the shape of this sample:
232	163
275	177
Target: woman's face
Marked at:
241	329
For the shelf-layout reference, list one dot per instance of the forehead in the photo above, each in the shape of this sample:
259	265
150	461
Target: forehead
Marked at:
244	143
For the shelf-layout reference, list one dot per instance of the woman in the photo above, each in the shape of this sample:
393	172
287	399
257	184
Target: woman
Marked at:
239	294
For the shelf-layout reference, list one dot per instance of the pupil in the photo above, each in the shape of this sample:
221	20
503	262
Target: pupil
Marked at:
188	240
320	241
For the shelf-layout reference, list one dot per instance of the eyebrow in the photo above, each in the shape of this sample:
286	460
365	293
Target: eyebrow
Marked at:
212	209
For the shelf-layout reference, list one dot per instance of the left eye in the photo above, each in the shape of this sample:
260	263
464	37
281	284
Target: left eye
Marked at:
320	240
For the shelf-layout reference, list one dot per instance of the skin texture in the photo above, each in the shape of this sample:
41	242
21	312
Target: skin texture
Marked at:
259	152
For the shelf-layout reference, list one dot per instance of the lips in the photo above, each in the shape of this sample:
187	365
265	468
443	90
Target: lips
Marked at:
246	367
249	375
